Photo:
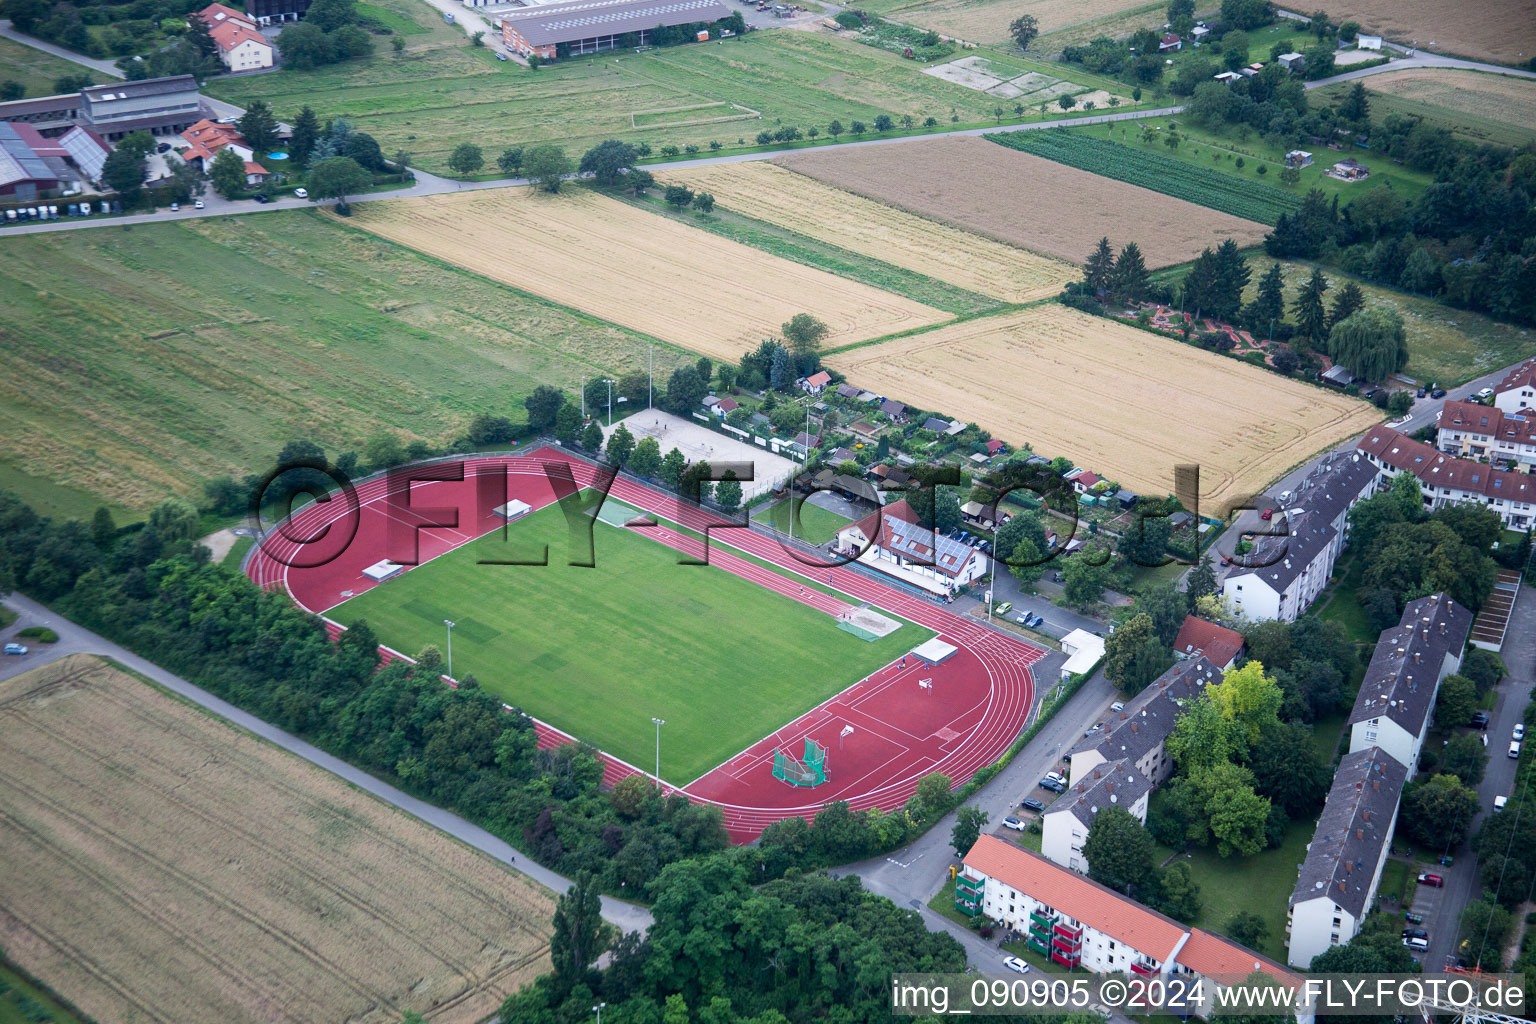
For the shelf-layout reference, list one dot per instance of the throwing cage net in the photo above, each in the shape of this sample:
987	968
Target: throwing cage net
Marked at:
810	770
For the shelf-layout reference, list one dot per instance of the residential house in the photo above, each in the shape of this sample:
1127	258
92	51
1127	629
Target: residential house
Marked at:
897	411
816	383
1517	391
1291	62
1349	169
1199	637
1064	825
1342	871
1447	480
1285	571
1138	733
1079	923
1397	695
589	26
1474	431
1169	43
892	541
1298	158
241	46
206	138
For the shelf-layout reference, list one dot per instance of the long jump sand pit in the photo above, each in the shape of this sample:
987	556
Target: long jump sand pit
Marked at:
161	865
803	204
1023	200
1122	402
615	261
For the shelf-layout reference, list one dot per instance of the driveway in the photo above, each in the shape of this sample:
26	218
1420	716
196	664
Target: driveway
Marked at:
104	67
75	639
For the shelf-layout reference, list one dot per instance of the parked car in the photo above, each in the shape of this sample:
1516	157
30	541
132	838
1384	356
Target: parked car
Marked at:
1519	733
500	55
1035	620
164	147
262	198
175	207
1056	777
1052	785
1117	706
1004	608
1268	513
1499	802
1096	727
1016	965
1437	393
1415	933
1420	945
1514	748
197	204
1420	393
1485	394
1225	560
1029	803
1014	823
1433	881
1480	720
15	648
301	193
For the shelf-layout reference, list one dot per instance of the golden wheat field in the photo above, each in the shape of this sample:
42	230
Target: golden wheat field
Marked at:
1023	200
1104	395
162	866
630	267
1503	31
961	258
1496	97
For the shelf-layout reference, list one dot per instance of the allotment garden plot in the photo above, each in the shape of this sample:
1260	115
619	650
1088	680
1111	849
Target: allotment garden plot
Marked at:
1023	200
161	865
1015	82
766	192
633	268
1100	393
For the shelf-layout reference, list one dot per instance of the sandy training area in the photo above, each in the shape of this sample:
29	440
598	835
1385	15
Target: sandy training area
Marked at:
1496	97
160	865
1023	200
603	257
961	258
1494	30
1105	395
697	442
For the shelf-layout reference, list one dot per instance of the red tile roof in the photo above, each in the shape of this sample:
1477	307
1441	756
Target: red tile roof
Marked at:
1488	421
1218	643
727	405
819	380
1522	376
218	14
1106	911
230	34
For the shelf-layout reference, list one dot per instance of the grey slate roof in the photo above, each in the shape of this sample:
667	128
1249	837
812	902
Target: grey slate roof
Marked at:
140	89
1355	825
1149	716
582	19
1318	502
1114	784
1400	682
935	424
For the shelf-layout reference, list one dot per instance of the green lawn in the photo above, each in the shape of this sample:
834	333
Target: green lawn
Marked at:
1260	884
1469	126
1445	345
431	99
237	553
35	69
597	653
1208	149
6	617
23	1001
188	350
814	523
1394	880
1342	606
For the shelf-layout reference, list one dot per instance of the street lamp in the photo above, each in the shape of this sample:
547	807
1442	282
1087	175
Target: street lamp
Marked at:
450	624
659	723
598	1009
610	382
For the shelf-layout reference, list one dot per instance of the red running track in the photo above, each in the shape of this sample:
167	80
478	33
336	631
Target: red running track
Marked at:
977	705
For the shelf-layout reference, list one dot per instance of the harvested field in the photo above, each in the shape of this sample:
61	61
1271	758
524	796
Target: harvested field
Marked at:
618	262
162	866
1024	376
1023	200
986	21
1480	97
763	191
1493	30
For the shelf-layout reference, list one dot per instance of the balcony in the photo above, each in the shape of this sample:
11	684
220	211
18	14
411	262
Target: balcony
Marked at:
1072	932
1142	967
1044	918
1038	946
1066	959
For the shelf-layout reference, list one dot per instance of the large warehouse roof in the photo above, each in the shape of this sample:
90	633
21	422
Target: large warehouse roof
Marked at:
582	19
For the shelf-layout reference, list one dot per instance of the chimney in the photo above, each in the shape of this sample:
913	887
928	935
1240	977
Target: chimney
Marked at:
1426	632
1359	833
1349	867
1415	657
1442	629
1376	785
1366	814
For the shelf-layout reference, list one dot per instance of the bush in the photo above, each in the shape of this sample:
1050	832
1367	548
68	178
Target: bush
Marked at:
42	634
848	19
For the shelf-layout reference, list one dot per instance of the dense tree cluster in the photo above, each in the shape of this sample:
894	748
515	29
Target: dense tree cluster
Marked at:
1409	552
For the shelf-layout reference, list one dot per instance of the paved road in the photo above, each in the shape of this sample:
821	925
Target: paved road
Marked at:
467	19
75	639
105	67
1442	907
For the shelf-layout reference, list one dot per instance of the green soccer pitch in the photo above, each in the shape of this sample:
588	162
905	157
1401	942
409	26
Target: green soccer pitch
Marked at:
598	652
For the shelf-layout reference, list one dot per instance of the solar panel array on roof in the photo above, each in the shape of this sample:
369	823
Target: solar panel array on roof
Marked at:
88	152
18	162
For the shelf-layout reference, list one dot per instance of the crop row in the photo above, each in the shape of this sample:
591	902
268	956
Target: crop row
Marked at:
1191	182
